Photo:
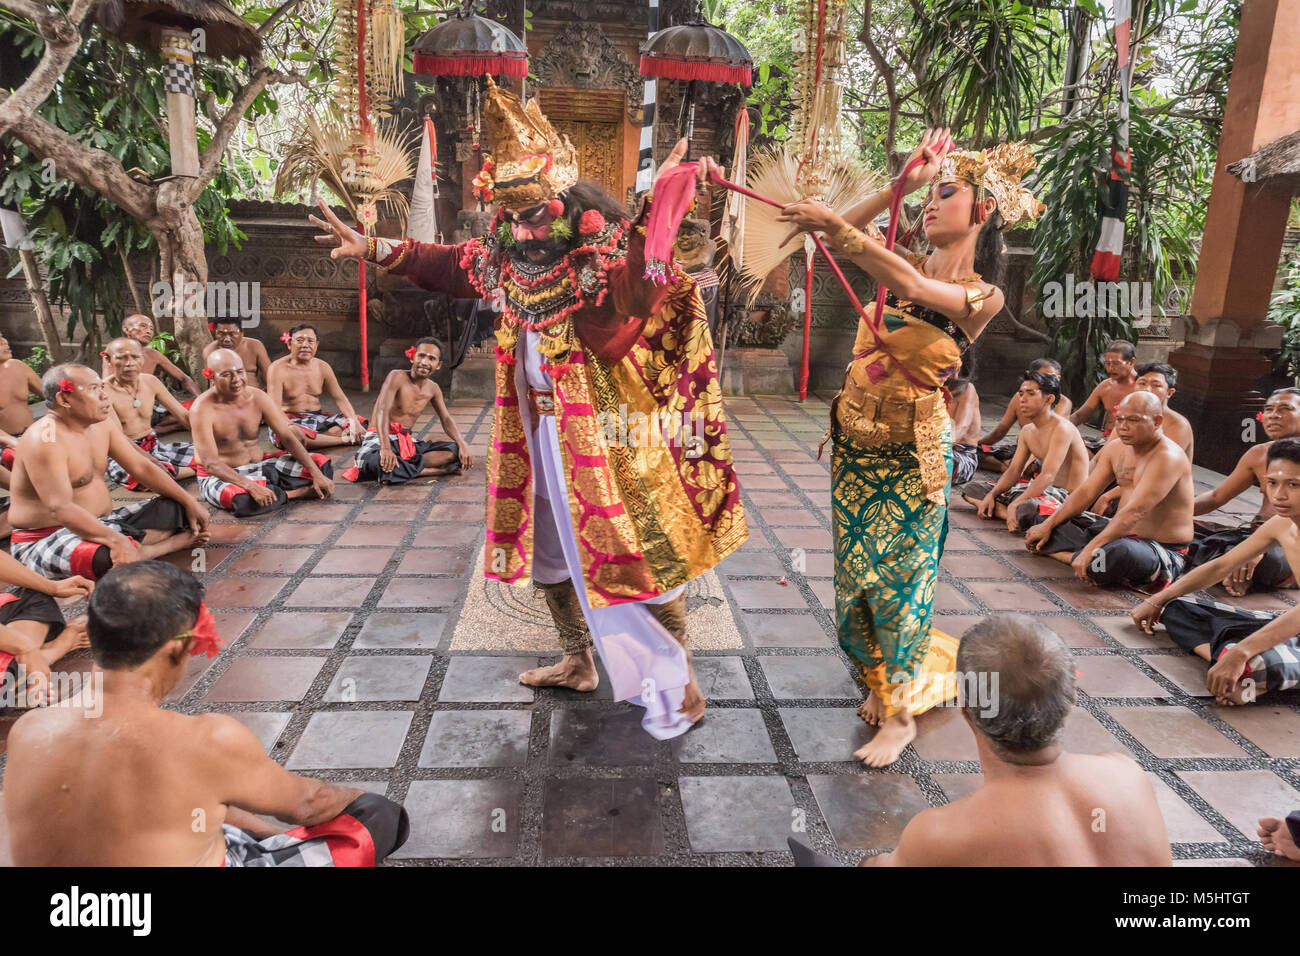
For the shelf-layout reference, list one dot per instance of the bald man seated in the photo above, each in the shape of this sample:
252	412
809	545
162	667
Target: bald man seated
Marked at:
133	394
140	327
228	333
144	786
234	473
1145	545
296	383
1039	804
63	516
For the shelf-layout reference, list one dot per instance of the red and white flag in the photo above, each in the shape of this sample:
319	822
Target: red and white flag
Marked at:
1110	244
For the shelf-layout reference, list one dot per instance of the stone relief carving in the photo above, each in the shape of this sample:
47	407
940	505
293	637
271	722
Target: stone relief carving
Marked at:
582	57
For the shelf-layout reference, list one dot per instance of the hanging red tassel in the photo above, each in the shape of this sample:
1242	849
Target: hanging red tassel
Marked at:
697	68
506	358
475	63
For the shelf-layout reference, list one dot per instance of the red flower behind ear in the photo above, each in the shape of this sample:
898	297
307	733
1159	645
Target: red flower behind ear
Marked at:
205	636
591	222
208	373
1259	416
212	327
103	355
410	353
65	385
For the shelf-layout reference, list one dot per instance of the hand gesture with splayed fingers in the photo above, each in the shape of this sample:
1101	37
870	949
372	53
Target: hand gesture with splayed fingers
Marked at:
934	145
346	242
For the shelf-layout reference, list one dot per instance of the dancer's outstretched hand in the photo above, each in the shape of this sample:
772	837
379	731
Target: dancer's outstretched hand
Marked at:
934	145
810	215
707	164
346	242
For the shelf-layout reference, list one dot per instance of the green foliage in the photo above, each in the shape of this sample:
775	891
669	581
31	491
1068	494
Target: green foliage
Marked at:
561	229
1284	309
39	361
165	343
505	237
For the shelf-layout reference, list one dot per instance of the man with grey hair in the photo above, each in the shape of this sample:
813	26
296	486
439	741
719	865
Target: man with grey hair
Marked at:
64	519
1040	805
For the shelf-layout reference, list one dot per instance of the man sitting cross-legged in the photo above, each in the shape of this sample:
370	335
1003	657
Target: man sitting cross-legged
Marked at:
234	474
1281	419
295	384
229	334
406	393
140	328
133	394
1046	436
1160	380
33	634
1145	544
1120	382
17	381
145	786
64	519
1259	645
964	410
994	457
1039	805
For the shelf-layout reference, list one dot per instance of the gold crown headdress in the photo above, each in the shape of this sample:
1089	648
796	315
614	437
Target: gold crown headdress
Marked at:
530	162
998	172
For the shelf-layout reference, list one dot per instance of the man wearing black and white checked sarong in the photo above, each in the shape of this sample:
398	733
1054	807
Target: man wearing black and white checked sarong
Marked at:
233	472
296	383
132	392
159	788
63	516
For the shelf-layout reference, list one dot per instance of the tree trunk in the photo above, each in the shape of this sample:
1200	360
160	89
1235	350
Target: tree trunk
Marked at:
184	269
41	304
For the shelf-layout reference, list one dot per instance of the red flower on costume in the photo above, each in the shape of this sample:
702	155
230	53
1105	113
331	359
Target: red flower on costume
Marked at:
65	385
208	373
204	634
410	353
556	208
591	222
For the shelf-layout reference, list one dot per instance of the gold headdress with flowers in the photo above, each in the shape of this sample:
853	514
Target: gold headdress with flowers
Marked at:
530	162
997	172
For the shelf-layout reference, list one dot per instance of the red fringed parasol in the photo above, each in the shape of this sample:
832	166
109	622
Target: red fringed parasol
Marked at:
466	44
697	51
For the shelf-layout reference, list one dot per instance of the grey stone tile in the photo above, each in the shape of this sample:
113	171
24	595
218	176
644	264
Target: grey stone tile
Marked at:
825	734
784	630
302	630
809	678
463	819
1174	732
1187	671
723	678
943	734
601	818
390	677
1183	823
867	811
726	736
1244	796
477	679
737	814
266	678
413	630
1107	676
477	738
266	725
1273	728
1086	734
344	740
600	738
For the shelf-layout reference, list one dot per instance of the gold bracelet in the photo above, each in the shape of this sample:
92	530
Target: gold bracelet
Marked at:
370	249
851	240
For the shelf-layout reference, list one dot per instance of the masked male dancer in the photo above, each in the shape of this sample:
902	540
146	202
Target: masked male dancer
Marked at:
592	325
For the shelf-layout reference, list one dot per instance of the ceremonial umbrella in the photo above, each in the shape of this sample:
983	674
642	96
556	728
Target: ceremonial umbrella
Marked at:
696	52
466	44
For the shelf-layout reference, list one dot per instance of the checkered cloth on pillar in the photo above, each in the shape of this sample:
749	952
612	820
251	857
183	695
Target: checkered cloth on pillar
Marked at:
277	472
171	455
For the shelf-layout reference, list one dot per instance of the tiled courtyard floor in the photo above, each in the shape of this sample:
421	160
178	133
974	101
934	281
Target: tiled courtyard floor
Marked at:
340	618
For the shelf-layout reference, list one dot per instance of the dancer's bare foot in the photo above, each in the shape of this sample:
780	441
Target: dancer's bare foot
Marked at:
575	671
1276	837
871	710
891	739
70	638
693	701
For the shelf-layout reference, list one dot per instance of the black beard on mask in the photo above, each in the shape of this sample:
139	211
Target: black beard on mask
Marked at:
555	249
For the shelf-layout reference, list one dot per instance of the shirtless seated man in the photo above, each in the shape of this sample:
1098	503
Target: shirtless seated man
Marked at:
295	384
17	382
964	410
993	456
1281	419
145	786
133	393
1161	380
1047	437
1121	381
1257	645
140	327
229	334
234	474
1039	803
33	634
1145	545
64	519
407	393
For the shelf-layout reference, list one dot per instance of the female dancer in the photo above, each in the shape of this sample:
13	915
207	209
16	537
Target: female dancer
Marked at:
892	441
